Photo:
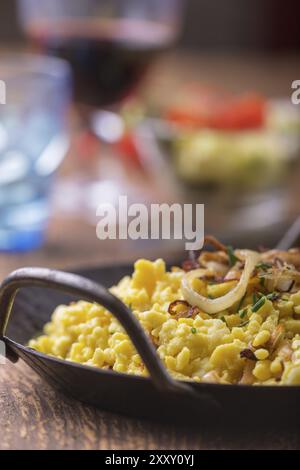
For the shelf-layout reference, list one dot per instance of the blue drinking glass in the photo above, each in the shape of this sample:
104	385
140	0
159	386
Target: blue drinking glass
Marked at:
34	96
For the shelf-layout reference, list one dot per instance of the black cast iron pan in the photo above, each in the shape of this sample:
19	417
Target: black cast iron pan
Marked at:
27	299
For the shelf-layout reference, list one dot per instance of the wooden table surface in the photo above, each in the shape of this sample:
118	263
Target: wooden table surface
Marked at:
33	415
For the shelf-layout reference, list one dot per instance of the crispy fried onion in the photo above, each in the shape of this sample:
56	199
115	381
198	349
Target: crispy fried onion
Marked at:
276	338
212	306
190	264
214	260
281	278
189	312
291	256
248	354
210	240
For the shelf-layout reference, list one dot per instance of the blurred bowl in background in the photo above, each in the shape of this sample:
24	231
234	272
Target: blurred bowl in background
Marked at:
240	159
243	159
33	142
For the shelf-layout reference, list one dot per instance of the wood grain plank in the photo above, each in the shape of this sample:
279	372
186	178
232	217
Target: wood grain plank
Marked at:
35	416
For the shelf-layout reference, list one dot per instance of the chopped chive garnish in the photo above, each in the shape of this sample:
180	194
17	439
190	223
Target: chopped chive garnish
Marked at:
262	281
254	298
258	304
194	331
241	301
232	258
243	313
263	266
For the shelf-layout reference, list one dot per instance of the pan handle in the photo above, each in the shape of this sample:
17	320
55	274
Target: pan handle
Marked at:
94	292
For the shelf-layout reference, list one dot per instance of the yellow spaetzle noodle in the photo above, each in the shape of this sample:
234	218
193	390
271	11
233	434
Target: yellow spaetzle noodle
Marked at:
253	342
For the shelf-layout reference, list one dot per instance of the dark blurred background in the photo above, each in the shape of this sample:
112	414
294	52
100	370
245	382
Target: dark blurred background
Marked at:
225	86
265	25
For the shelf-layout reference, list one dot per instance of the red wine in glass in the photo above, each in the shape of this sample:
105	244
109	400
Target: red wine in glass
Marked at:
108	56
